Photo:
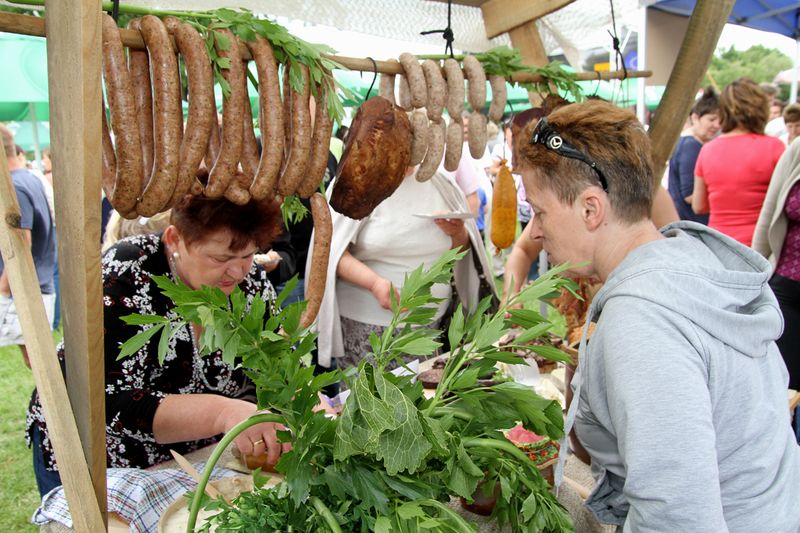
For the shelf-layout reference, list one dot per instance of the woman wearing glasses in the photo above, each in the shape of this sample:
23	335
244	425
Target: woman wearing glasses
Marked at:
680	397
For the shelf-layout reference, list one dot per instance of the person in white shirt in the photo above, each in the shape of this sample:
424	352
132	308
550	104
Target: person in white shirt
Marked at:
370	257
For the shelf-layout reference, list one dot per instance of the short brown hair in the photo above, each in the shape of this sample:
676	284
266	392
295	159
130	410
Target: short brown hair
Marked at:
708	103
8	141
611	137
257	221
743	104
791	113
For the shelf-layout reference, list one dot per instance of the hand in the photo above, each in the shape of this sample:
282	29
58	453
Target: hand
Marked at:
256	440
269	260
453	228
381	289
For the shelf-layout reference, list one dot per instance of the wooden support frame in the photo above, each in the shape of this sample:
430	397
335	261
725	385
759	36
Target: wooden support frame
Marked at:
527	39
86	514
28	25
705	27
501	16
74	66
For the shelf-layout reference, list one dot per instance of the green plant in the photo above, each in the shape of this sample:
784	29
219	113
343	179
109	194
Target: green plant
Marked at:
505	61
394	457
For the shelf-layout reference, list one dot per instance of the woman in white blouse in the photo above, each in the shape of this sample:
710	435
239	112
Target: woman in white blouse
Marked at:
370	256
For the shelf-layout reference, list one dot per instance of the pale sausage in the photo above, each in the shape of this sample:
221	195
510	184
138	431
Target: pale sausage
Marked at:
433	157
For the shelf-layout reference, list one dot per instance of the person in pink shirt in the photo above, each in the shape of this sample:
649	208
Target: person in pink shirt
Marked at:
733	171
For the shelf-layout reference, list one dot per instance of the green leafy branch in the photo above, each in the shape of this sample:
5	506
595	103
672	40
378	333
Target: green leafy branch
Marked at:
505	61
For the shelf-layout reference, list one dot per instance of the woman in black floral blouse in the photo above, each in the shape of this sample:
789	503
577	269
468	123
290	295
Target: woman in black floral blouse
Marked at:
187	402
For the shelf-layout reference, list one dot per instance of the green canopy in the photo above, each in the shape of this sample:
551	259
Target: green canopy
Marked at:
23	134
25	75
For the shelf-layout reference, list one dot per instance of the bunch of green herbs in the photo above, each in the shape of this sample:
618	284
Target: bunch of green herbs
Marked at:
394	458
505	61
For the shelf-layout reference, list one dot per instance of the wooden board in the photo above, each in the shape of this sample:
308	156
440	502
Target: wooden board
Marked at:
527	39
705	27
500	16
18	264
74	65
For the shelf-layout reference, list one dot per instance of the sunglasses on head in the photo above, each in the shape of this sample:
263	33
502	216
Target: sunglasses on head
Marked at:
545	135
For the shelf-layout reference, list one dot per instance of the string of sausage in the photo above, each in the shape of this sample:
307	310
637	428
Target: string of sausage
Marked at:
128	170
315	283
270	119
167	117
139	67
202	114
230	151
297	159
320	145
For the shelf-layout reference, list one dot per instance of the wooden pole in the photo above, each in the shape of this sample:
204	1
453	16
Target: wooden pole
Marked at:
74	65
28	25
705	27
86	515
527	39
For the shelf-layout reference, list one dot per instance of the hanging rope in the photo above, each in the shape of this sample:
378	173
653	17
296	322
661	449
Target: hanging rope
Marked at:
615	43
447	33
115	10
374	77
597	87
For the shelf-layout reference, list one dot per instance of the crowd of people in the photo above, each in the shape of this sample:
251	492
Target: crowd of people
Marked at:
732	171
679	400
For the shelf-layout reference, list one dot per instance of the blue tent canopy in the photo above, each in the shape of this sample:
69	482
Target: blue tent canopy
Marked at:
777	16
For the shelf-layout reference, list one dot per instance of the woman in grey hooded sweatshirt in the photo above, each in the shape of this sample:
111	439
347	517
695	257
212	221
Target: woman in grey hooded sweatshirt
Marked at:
680	396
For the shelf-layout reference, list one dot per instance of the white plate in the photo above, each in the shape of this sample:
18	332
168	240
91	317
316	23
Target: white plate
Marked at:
461	216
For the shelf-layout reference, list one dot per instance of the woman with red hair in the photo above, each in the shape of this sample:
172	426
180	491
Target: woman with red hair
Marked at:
187	401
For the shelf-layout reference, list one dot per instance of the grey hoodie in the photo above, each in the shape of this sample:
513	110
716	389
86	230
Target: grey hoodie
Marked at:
683	403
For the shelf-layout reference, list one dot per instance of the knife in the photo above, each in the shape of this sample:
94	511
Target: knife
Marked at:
189	469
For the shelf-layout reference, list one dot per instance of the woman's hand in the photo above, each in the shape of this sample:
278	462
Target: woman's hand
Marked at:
381	289
269	261
455	229
256	440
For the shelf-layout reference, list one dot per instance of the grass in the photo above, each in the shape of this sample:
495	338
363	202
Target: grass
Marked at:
18	494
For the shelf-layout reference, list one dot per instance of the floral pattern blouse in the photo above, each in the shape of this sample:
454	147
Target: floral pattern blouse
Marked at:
136	385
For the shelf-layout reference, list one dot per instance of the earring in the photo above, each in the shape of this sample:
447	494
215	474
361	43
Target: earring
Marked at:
175	254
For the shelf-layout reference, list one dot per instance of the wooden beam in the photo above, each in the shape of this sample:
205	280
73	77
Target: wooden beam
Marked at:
500	16
86	515
74	64
28	25
705	27
527	40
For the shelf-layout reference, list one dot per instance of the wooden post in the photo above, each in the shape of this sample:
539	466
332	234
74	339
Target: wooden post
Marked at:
86	515
74	65
705	26
527	39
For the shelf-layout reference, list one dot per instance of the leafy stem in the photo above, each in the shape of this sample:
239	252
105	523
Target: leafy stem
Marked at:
217	453
326	515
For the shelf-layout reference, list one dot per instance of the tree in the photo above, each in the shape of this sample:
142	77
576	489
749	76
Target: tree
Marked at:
758	63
